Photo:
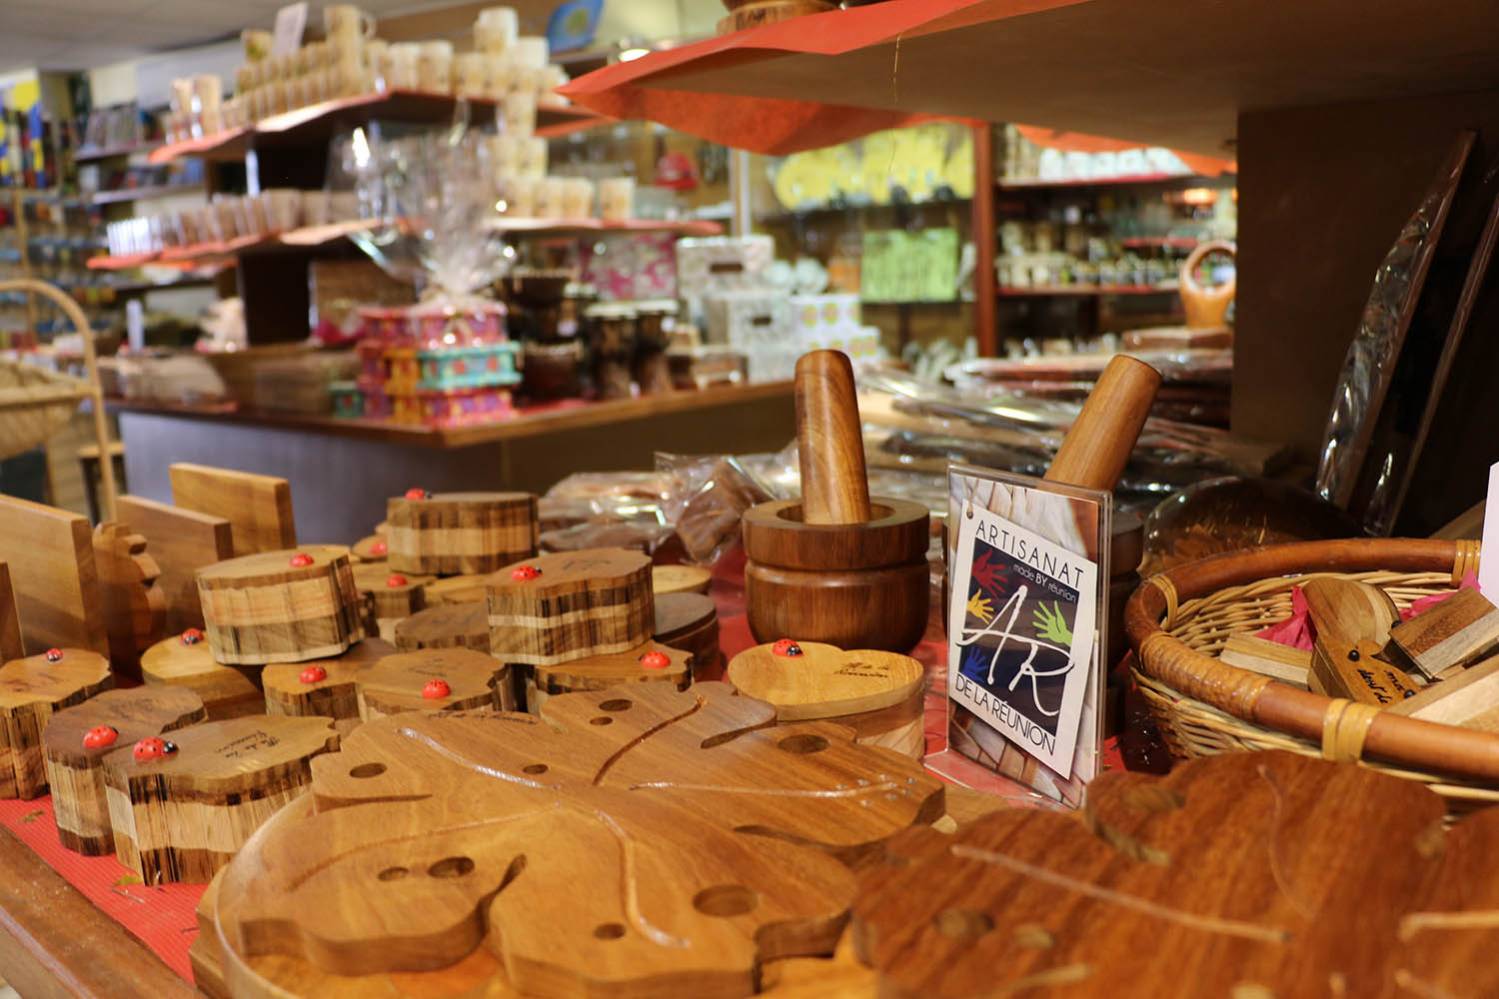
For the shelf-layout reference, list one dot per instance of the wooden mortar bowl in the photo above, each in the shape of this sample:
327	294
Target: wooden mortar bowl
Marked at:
856	586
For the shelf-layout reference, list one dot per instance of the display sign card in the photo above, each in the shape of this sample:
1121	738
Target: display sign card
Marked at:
291	23
1027	561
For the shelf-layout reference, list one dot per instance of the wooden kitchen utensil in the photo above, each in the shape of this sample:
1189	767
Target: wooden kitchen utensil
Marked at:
10	619
568	605
689	621
457	590
1353	622
709	843
31	691
667	579
183	806
463	625
388	597
648	663
1454	633
50	553
877	694
78	740
449	533
258	507
181	542
281	606
134	607
433	680
836	567
186	660
323	686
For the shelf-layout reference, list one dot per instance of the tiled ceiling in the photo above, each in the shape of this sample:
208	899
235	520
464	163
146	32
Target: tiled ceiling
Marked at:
81	34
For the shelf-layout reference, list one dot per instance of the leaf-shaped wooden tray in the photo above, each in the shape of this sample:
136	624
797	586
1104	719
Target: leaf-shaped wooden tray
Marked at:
633	841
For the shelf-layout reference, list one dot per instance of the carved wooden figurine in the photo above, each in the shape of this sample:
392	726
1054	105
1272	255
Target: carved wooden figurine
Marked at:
323	686
433	680
183	805
449	533
836	566
31	691
281	606
134	606
186	660
180	542
80	738
568	605
877	694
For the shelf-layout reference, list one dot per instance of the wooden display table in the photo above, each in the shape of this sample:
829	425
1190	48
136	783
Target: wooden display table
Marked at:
323	457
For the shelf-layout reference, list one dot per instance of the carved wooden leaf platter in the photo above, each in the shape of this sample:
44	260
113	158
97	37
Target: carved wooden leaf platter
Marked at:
635	841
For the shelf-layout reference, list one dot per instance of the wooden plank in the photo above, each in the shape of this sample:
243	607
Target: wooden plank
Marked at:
1259	655
56	944
1455	632
10	621
51	557
258	507
182	542
1469	699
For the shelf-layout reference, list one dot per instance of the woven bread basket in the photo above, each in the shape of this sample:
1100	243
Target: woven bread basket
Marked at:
1178	621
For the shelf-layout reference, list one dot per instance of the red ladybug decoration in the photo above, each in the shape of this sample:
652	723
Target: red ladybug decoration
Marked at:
152	749
313	674
524	573
54	655
436	690
378	548
192	636
301	560
786	647
395	579
100	736
655	660
417	493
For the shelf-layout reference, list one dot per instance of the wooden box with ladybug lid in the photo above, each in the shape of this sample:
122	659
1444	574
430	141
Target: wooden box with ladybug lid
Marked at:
388	596
451	679
81	738
31	691
281	606
569	605
459	533
186	660
648	663
183	804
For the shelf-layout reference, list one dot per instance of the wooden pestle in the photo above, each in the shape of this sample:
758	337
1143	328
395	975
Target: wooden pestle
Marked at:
835	485
1099	442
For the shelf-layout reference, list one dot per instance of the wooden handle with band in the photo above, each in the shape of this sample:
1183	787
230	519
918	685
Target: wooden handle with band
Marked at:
1098	444
1206	308
835	487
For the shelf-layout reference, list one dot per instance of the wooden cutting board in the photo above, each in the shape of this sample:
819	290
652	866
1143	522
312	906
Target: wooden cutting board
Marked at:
300	689
134	606
50	554
181	542
433	680
183	815
258	507
445	626
31	691
568	605
877	694
709	842
281	606
186	660
78	741
449	533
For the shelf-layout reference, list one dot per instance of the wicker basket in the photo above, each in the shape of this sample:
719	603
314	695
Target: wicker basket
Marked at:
1179	620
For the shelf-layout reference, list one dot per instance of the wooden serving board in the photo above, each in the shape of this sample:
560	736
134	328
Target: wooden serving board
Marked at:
31	691
469	680
449	533
180	542
445	626
388	597
638	665
1248	874
294	689
589	602
134	606
689	621
877	694
75	761
50	553
182	816
437	849
186	660
458	590
281	606
258	507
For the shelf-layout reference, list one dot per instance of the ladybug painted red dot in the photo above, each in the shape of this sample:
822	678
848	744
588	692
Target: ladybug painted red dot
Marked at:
786	647
417	493
434	690
192	636
301	560
524	573
54	655
100	736
152	748
313	674
655	660
378	548
395	579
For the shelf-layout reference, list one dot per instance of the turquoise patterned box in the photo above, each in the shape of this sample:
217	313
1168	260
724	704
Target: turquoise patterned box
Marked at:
483	365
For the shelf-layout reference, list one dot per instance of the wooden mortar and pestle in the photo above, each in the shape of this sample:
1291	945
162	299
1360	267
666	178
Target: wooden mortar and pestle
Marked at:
836	566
